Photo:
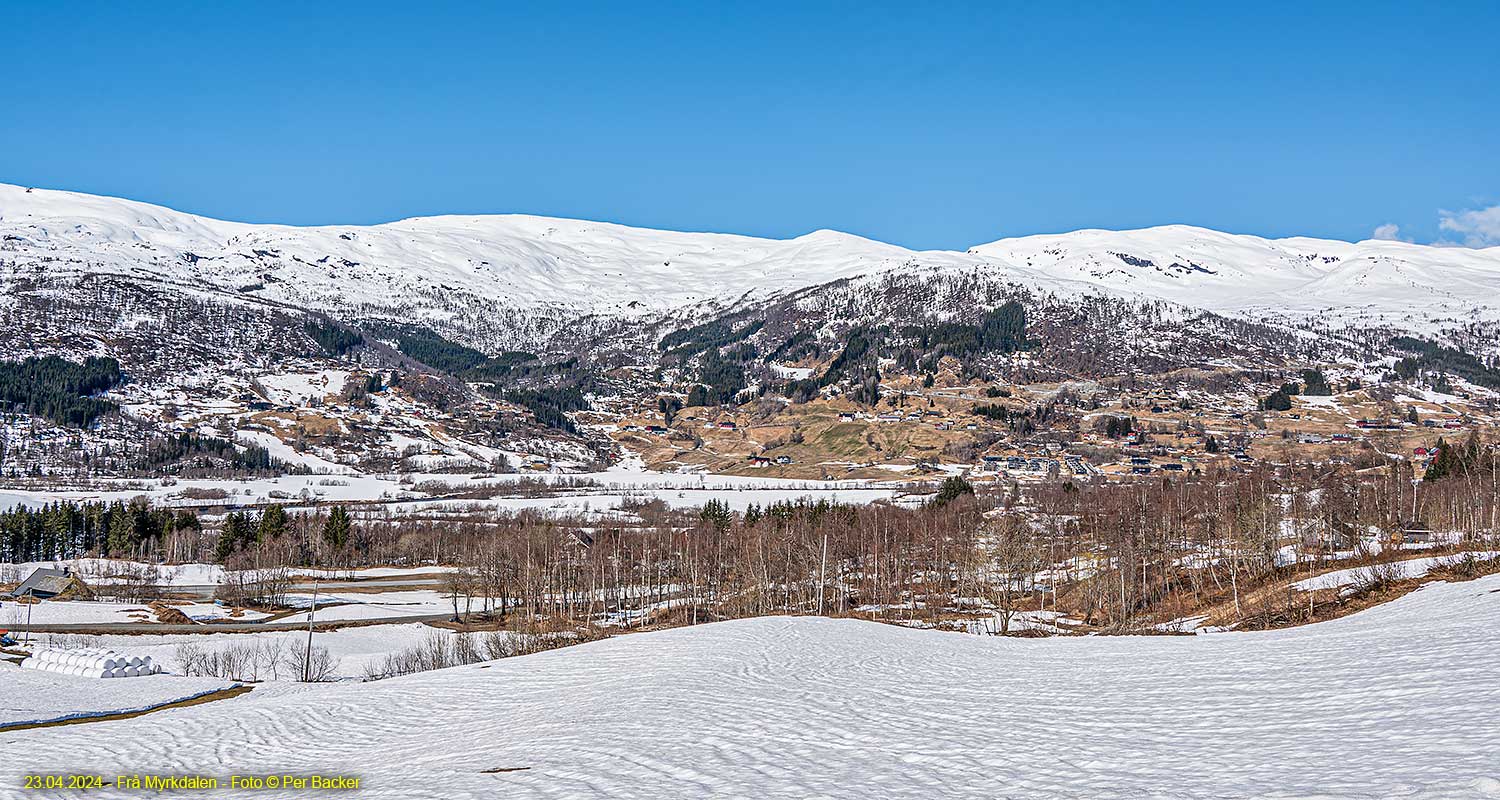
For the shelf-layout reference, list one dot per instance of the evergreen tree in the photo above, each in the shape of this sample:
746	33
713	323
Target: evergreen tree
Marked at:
336	528
121	531
1279	400
272	524
234	533
953	488
717	513
1315	383
668	406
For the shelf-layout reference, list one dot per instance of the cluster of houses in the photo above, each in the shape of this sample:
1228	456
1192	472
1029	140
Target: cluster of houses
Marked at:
937	418
1317	438
759	462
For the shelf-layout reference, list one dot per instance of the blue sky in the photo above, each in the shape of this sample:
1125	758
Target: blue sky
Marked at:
926	124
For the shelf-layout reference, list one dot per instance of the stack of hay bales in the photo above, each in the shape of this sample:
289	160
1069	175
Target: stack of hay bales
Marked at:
91	662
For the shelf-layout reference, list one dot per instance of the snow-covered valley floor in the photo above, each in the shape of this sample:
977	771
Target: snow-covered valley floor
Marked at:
1402	700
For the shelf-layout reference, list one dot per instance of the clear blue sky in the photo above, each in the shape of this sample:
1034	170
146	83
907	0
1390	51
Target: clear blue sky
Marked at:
926	124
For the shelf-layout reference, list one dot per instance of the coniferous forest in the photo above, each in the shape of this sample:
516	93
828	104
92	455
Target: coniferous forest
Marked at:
57	389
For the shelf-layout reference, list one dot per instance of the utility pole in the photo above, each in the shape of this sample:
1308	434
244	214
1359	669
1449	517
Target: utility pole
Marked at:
823	573
31	597
307	654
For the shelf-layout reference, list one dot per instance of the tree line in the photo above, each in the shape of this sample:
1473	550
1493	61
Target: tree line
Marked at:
1118	555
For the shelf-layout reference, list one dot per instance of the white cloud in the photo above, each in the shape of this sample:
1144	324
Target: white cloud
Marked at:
1474	227
1390	230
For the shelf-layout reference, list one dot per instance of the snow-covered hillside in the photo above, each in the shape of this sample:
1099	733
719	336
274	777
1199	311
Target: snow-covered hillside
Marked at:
516	260
1396	282
427	266
1400	700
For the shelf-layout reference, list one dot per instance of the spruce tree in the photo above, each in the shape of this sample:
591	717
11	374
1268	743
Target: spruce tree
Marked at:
232	535
272	523
121	530
336	528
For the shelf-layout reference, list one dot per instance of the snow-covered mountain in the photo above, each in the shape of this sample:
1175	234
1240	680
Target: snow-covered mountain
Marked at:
515	260
436	268
1398	283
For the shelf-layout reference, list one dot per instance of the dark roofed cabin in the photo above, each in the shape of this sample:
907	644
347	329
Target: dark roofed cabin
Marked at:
45	583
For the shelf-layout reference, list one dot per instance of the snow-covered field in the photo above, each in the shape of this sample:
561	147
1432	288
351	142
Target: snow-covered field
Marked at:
603	490
100	571
75	612
354	648
1401	700
33	696
1411	568
64	612
373	605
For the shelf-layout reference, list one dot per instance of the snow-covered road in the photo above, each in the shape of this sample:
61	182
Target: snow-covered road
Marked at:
1401	700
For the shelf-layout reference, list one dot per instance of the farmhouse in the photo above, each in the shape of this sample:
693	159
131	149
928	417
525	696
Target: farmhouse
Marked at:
45	583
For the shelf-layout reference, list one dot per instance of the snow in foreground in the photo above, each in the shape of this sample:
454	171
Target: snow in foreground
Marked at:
1401	700
32	696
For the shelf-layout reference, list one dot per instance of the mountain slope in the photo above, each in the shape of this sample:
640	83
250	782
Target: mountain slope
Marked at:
432	268
521	261
1376	281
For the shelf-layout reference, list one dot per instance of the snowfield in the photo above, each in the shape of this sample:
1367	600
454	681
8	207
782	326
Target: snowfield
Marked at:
1411	568
354	648
579	267
1401	700
397	491
28	695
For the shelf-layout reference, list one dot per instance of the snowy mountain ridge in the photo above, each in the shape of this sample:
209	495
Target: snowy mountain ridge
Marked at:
421	266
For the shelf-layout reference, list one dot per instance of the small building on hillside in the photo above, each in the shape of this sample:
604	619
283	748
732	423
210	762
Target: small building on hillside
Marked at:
45	583
1416	536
